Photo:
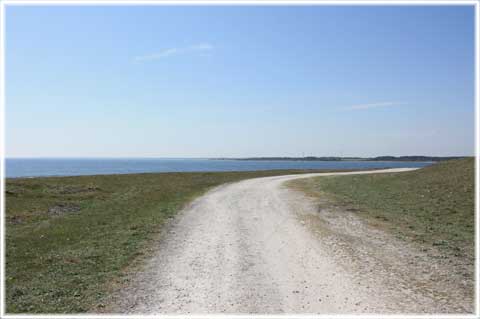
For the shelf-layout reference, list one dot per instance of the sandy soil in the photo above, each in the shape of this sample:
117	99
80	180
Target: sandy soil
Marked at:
257	247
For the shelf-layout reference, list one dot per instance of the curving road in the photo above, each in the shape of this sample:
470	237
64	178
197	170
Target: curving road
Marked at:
248	247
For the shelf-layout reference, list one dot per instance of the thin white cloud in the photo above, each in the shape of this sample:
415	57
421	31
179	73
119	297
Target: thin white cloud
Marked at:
371	105
201	47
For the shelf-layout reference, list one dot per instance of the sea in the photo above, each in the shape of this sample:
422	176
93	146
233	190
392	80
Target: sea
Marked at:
35	167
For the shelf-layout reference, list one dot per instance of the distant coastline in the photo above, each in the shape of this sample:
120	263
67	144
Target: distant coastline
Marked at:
101	166
413	158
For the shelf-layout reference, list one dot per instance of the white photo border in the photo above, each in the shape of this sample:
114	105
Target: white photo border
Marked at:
7	3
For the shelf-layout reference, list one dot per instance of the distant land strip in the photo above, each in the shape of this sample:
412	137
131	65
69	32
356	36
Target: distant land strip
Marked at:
413	158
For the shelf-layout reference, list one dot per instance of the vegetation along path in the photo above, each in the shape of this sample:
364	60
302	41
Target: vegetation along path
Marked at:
69	240
256	246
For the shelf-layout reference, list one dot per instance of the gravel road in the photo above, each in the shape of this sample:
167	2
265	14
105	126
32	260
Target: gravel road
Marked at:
251	247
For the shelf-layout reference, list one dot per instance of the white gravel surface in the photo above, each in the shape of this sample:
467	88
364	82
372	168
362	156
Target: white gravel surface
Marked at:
251	247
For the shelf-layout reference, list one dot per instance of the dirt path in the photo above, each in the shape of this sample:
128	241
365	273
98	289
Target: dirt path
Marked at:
254	247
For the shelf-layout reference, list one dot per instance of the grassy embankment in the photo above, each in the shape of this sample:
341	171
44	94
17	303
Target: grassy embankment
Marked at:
69	238
433	206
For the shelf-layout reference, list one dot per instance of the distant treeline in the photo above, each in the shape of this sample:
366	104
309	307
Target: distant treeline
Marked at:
414	158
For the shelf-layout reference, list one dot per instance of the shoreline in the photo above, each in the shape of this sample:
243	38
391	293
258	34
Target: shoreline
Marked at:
286	170
34	168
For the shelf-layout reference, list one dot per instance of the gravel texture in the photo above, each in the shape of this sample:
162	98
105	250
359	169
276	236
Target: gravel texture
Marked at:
257	247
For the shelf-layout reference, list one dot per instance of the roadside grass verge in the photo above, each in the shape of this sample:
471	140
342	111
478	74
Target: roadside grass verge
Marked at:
67	238
432	206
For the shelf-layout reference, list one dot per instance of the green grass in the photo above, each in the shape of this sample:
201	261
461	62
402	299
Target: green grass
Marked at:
433	206
69	238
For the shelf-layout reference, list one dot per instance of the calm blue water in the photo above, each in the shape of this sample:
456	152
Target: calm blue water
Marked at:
71	167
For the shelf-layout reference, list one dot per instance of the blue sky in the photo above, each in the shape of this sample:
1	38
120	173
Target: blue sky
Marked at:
212	81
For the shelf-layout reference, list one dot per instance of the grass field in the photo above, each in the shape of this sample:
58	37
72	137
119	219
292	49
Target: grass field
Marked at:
67	238
433	206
